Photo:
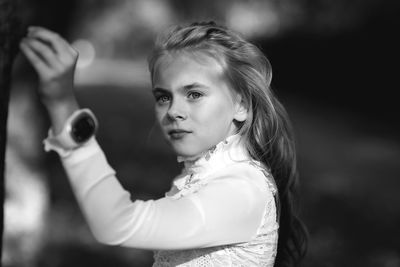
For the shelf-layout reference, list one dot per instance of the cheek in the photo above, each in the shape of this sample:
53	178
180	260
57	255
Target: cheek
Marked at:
159	113
217	115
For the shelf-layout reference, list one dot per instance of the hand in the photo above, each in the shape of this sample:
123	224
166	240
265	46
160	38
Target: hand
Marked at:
54	61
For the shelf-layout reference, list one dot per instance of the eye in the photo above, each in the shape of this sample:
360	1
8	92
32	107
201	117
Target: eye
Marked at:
194	95
162	98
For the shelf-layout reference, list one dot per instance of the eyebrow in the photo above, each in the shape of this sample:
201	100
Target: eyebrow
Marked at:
194	86
159	89
185	87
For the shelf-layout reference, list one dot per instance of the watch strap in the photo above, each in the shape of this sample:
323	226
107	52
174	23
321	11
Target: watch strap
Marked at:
63	143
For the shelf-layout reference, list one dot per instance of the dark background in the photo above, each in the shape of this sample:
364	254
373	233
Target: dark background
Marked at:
335	68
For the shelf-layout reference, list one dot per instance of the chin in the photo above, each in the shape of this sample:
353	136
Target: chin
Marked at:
185	151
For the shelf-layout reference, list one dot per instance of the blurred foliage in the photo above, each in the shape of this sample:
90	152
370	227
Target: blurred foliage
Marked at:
126	27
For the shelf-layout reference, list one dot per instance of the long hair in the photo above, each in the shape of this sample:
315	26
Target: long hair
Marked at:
266	132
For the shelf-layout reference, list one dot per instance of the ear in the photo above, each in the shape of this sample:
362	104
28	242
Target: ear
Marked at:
241	110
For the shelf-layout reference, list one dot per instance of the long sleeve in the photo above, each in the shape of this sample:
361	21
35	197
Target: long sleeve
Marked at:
227	210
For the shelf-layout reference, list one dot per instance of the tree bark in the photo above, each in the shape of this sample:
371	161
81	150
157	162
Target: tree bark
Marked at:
9	37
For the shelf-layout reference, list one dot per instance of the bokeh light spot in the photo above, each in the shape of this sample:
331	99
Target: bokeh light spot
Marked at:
87	53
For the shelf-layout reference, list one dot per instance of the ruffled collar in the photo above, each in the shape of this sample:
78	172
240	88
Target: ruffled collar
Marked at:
221	155
228	150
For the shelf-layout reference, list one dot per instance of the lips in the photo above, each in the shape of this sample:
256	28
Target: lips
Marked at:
178	133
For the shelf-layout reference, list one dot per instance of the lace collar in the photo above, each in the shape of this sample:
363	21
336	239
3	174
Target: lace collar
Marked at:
221	155
226	151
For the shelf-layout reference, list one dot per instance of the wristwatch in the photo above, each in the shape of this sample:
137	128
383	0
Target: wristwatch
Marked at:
77	130
82	127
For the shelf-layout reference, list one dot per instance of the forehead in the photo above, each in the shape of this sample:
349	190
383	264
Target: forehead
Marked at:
187	66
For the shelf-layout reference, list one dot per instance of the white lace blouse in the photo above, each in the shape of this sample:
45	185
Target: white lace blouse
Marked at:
220	210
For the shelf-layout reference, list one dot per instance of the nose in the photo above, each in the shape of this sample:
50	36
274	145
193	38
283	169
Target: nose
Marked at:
177	110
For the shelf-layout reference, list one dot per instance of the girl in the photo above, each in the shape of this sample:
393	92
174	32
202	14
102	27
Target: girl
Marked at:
232	205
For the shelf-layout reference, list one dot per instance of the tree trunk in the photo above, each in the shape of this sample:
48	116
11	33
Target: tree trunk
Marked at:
9	32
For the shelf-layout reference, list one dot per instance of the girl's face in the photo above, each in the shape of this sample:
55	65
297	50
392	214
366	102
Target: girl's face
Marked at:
195	106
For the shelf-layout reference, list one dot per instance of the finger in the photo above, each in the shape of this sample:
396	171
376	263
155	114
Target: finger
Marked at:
59	44
45	52
37	62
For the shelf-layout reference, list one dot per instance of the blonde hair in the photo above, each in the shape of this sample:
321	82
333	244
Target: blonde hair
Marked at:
266	132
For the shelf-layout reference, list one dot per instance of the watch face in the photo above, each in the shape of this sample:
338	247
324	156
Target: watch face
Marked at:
83	128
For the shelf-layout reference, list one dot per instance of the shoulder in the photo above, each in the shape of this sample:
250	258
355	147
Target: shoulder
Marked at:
248	173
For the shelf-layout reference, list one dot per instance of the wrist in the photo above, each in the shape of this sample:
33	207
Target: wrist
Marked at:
59	112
